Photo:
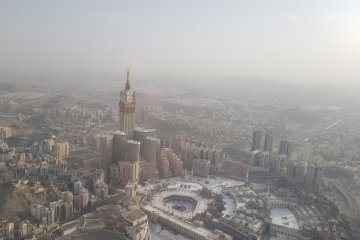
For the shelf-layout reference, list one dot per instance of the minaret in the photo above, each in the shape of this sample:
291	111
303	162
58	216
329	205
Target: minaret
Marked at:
127	106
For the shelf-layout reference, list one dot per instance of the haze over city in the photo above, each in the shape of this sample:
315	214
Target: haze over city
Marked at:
179	120
302	42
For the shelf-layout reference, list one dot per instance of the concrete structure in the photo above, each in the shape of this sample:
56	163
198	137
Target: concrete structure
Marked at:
163	165
24	229
283	232
119	146
105	153
169	164
290	203
123	172
136	224
150	148
129	223
82	199
284	217
132	151
314	176
184	228
285	148
102	191
201	167
38	211
47	146
8	231
61	167
77	187
5	133
142	133
147	170
98	178
268	143
191	150
256	140
243	227
66	197
60	211
61	150
295	172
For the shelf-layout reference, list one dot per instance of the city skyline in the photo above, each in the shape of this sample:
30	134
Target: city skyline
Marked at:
191	120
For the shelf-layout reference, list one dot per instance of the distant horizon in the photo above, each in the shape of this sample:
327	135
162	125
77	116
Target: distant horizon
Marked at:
301	42
142	77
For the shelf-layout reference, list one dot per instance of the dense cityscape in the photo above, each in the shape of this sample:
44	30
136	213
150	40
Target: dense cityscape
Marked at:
179	120
78	169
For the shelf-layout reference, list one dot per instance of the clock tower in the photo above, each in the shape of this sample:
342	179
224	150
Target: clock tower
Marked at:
127	106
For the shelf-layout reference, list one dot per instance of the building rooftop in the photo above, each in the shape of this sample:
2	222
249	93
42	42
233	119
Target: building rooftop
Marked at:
201	160
118	132
139	129
133	215
284	217
133	142
152	138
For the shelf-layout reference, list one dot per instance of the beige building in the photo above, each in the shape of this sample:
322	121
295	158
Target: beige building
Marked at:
102	191
21	156
8	230
66	197
123	172
136	224
147	170
129	171
61	167
61	150
168	164
82	199
5	133
38	211
24	229
97	178
175	165
100	188
201	167
189	150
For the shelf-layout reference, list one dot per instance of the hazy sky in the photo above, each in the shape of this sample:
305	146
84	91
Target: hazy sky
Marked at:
286	40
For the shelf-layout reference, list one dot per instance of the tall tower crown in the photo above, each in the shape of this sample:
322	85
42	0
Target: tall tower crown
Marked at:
127	85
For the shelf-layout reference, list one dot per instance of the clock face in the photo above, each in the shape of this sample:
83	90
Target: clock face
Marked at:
129	97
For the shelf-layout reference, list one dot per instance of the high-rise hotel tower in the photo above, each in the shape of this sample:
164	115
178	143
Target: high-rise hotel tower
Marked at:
127	106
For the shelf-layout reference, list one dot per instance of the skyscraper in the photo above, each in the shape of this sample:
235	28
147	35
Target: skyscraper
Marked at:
127	106
106	153
285	148
256	140
268	142
61	150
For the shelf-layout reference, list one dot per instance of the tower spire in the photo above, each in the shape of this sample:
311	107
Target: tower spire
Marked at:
127	85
